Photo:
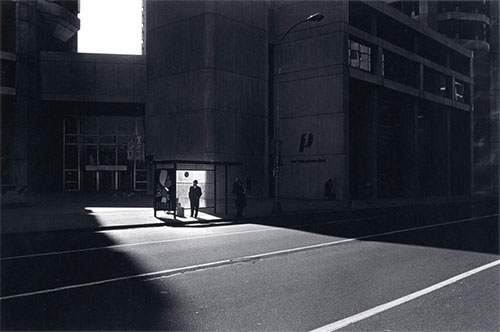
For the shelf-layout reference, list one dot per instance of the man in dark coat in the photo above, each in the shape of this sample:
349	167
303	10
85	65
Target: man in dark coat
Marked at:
328	189
241	200
194	198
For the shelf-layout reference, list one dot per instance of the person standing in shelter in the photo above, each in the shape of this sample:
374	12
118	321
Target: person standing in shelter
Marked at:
194	198
328	189
241	200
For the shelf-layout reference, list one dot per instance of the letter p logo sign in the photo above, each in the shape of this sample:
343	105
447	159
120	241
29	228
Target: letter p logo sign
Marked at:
306	140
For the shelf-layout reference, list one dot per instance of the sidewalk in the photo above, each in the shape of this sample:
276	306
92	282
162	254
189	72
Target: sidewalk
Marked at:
72	211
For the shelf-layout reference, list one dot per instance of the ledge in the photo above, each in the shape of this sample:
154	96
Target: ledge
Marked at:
464	17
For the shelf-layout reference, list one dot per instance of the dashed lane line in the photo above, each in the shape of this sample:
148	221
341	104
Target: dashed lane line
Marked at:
229	261
389	305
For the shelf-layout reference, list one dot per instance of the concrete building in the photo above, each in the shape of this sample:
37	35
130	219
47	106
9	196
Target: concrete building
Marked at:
368	97
475	25
66	117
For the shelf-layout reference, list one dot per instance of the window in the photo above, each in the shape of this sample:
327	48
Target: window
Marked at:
399	69
360	56
459	91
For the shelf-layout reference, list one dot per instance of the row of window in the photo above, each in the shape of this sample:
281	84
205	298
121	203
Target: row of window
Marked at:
402	70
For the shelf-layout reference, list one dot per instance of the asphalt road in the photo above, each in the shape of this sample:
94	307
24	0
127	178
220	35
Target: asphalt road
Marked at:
293	277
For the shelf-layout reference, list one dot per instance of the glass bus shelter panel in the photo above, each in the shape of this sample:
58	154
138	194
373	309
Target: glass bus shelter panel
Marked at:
205	178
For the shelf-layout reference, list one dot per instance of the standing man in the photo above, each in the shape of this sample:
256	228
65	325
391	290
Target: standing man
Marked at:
328	189
194	198
241	200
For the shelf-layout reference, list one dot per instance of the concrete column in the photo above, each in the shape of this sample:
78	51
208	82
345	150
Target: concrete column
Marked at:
372	144
441	150
421	77
379	62
428	11
409	157
26	138
448	149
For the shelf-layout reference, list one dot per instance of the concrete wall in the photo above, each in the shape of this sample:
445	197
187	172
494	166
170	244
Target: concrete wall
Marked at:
495	93
92	77
20	134
313	98
206	83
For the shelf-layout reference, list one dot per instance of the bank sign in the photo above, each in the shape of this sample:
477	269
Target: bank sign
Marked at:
306	141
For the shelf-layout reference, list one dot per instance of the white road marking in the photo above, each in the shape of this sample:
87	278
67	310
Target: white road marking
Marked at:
135	244
389	305
268	228
227	261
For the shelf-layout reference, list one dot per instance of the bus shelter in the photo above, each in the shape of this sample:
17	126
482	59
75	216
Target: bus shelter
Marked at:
173	178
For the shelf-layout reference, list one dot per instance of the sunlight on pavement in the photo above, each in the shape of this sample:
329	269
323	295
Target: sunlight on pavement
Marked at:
116	209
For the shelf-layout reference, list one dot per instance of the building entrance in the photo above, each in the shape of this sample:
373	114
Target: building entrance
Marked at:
104	153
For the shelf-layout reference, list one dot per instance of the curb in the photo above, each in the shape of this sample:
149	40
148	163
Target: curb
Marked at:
265	218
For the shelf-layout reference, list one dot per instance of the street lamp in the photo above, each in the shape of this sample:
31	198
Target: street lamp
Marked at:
316	17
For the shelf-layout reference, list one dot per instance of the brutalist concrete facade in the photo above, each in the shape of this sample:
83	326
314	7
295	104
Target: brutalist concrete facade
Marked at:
475	25
217	70
367	97
206	83
44	80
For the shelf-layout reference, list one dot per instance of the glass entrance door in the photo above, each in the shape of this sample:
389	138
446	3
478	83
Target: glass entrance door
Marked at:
104	153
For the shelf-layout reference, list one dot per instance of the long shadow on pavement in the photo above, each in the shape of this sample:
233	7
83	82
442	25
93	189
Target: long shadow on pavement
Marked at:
478	235
121	305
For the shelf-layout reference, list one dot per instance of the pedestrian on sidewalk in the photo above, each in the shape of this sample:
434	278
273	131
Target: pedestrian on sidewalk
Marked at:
194	198
328	189
241	200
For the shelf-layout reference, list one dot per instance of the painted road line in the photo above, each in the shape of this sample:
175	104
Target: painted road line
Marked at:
62	252
217	263
389	305
135	244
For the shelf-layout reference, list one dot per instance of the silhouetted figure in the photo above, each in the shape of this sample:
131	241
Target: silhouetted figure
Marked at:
194	198
249	184
328	189
241	200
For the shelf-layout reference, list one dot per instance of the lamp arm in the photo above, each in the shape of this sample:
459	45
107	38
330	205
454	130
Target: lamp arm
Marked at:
291	28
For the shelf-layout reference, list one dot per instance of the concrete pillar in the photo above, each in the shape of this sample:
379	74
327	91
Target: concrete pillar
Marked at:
206	64
428	11
421	77
448	150
25	138
409	148
372	144
378	68
441	150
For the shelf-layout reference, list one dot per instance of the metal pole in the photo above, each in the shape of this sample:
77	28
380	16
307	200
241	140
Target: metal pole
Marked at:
225	175
277	203
215	189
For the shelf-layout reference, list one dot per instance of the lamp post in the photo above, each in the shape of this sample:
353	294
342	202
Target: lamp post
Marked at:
316	17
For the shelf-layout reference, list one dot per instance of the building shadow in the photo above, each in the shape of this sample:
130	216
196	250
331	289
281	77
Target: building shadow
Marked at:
474	235
131	304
